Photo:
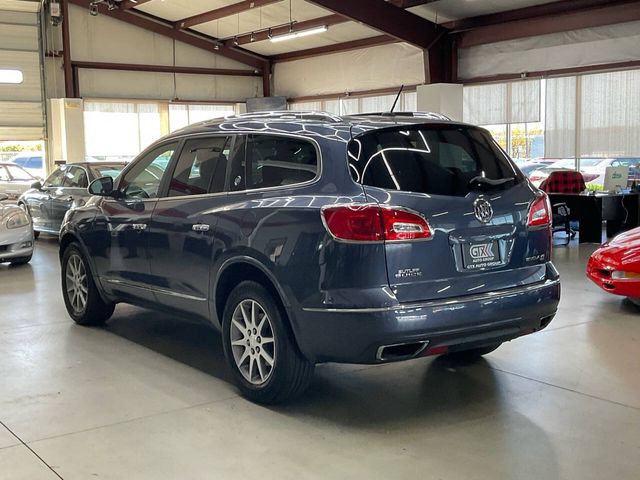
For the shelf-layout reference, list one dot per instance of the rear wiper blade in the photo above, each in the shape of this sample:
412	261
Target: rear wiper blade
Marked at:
491	182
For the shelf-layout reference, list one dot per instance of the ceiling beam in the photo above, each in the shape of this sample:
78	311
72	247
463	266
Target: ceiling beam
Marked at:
388	19
336	47
196	39
136	67
222	12
127	4
607	14
263	34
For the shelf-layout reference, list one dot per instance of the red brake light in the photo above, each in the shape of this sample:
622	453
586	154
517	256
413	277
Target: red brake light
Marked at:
371	223
539	212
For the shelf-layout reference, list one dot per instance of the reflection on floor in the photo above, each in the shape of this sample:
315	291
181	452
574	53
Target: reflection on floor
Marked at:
150	397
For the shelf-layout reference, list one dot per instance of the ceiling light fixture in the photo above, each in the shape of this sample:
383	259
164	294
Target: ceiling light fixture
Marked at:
301	33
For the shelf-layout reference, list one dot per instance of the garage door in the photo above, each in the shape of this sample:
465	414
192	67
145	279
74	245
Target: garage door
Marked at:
21	99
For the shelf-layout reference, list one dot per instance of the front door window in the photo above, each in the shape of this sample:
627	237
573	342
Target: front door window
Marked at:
143	180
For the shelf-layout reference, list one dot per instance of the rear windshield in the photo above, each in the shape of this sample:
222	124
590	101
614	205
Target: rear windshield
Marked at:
433	159
106	170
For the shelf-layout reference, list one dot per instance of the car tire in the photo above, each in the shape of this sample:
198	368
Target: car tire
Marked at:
255	329
472	354
81	297
36	234
21	260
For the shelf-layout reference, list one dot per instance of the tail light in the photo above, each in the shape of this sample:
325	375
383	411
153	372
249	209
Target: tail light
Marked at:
371	223
539	212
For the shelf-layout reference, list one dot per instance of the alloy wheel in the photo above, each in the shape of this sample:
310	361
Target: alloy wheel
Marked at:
77	283
252	341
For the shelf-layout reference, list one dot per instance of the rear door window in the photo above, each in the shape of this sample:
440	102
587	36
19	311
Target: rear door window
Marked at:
201	167
274	161
432	159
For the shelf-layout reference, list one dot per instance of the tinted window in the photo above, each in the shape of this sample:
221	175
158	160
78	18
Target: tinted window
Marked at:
273	161
75	177
439	160
55	179
201	167
143	179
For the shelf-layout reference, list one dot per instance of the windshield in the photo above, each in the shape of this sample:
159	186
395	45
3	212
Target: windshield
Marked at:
106	170
432	159
19	174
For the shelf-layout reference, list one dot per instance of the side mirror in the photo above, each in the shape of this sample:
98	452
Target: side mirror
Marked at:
102	186
3	197
36	185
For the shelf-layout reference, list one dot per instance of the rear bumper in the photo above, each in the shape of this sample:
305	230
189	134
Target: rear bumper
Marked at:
356	335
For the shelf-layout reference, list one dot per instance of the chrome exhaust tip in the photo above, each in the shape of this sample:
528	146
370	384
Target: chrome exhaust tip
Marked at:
401	351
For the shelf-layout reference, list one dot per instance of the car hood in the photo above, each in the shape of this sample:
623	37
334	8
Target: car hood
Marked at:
623	252
7	208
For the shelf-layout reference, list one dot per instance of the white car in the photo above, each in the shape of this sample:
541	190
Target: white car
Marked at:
16	233
14	180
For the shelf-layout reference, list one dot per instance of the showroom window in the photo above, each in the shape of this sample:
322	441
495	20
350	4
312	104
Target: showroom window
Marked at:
181	115
119	130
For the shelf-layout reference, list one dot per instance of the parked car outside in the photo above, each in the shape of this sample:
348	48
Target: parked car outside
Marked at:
16	233
32	162
530	167
14	180
309	238
65	188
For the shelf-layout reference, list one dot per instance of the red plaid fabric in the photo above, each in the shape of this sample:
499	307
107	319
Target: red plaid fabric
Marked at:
563	181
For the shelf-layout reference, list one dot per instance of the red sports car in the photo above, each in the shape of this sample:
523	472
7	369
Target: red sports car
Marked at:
615	266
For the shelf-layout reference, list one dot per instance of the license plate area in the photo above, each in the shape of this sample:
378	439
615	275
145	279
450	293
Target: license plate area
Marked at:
481	255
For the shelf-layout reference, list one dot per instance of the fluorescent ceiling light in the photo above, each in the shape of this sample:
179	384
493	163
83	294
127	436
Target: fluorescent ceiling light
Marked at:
10	76
301	33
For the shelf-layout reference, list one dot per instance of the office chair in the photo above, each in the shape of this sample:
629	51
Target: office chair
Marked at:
563	181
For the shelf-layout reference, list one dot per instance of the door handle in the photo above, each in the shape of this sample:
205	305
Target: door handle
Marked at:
139	226
200	227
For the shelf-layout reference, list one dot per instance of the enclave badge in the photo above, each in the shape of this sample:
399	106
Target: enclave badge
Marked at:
483	210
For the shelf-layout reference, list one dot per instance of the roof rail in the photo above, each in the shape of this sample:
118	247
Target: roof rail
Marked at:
289	115
436	116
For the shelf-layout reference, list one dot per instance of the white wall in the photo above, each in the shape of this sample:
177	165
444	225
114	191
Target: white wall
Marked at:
576	48
365	69
103	39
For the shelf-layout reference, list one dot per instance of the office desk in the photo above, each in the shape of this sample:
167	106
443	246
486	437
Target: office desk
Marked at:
619	210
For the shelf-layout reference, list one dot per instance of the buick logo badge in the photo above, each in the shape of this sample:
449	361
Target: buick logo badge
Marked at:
482	210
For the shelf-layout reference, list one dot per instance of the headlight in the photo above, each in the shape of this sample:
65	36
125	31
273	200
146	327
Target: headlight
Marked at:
619	275
17	220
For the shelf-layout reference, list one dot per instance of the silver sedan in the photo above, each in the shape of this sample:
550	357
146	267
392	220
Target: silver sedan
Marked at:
16	233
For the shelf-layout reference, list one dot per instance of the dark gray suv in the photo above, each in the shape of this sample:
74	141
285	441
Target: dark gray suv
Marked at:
309	238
